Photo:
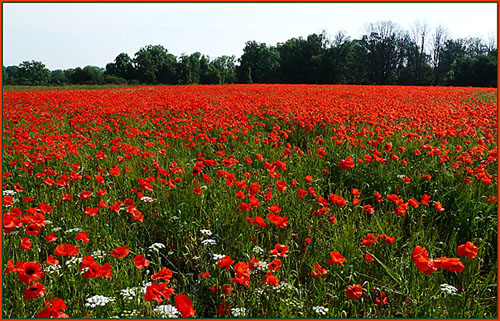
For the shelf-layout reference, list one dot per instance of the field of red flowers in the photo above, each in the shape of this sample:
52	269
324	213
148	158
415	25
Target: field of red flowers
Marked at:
250	201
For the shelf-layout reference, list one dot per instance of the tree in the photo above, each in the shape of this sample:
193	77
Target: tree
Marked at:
122	67
226	68
57	77
259	63
382	44
89	75
417	53
438	39
9	75
32	73
154	65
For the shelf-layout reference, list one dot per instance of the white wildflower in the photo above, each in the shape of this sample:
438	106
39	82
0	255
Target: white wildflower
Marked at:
76	229
98	300
74	261
147	199
167	311
8	192
130	293
208	242
51	269
156	246
239	312
206	232
258	250
98	254
217	257
320	310
449	289
282	287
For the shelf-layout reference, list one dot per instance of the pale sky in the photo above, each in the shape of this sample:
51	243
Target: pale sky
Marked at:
69	35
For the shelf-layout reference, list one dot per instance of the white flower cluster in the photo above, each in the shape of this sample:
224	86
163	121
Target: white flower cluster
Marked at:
130	293
206	232
217	257
258	250
51	269
98	300
449	289
99	254
76	229
167	311
282	287
208	242
238	312
156	246
147	199
55	229
8	192
320	310
74	261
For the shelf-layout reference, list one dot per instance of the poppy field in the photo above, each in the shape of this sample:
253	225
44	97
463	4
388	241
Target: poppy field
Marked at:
250	201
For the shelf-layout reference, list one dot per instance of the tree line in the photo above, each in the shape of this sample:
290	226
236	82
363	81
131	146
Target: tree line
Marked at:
385	55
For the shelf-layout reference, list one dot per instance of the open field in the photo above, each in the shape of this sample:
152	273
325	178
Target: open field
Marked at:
254	201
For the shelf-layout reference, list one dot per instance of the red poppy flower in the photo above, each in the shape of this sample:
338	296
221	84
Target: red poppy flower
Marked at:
336	257
164	273
51	260
274	208
204	275
368	257
184	305
274	265
25	244
381	299
224	309
281	185
54	309
421	258
140	261
271	279
197	190
354	292
279	221
368	208
120	252
438	207
51	238
83	237
66	250
157	292
242	268
85	195
34	290
318	271
369	240
28	272
468	249
425	199
450	264
387	239
346	163
280	250
91	211
308	179
225	262
33	229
